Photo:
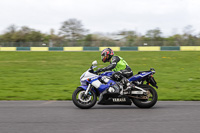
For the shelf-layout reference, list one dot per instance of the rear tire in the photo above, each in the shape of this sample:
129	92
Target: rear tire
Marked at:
146	103
84	103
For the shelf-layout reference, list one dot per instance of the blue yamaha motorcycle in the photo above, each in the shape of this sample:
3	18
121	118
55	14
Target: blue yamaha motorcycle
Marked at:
111	92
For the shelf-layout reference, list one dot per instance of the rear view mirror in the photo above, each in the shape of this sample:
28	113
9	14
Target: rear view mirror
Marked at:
94	63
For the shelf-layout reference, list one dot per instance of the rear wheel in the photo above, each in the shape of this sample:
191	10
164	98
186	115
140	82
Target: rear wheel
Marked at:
147	103
84	101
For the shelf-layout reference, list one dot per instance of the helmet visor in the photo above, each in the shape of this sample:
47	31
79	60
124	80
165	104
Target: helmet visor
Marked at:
103	58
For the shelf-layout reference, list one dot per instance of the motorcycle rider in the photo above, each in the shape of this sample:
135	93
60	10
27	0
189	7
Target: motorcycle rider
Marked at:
117	64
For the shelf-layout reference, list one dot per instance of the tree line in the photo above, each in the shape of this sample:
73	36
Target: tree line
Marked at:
73	33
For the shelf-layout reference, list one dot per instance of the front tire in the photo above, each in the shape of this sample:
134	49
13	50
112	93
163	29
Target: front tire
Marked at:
147	103
84	102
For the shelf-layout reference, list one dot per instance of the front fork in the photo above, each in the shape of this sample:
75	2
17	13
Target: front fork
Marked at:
87	90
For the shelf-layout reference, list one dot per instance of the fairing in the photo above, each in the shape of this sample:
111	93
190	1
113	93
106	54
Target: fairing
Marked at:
139	77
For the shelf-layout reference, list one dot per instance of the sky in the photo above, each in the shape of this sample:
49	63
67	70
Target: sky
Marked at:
171	16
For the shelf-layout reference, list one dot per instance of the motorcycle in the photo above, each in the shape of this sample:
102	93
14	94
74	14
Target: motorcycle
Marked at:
111	92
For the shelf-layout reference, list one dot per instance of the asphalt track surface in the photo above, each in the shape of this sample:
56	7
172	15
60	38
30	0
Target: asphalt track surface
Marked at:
64	117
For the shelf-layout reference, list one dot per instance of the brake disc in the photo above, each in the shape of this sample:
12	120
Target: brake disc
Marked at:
82	98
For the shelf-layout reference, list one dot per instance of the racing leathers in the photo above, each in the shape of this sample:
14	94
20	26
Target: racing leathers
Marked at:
119	66
121	70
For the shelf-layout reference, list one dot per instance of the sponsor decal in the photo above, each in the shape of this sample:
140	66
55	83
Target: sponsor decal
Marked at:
119	99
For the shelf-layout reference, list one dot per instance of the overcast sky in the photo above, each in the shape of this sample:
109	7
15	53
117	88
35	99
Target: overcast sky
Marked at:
171	16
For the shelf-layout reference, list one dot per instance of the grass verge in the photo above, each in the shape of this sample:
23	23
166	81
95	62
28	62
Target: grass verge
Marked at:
55	75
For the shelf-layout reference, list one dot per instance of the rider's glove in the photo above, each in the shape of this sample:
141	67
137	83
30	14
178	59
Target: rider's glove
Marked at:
99	70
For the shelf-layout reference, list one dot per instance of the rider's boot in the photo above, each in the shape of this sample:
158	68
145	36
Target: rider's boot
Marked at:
127	86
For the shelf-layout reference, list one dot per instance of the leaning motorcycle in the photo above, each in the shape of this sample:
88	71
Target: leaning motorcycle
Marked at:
111	92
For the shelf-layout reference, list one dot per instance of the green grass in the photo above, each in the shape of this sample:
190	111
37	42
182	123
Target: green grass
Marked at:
55	75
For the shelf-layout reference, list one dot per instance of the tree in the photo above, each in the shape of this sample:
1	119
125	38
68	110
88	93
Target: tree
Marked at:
188	35
175	40
53	39
131	37
188	30
11	29
24	34
155	33
73	29
154	36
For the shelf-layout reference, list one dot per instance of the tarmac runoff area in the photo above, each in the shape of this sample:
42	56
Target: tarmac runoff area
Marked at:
64	117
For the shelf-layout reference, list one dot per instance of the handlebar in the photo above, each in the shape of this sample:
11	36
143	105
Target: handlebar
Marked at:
153	70
95	72
92	70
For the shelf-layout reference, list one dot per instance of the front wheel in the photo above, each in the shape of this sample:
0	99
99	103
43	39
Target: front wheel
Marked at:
84	101
148	103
